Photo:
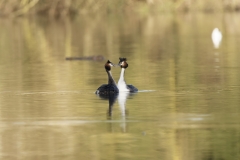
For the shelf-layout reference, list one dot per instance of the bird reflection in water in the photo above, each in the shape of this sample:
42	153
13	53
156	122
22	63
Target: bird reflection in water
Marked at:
122	99
111	99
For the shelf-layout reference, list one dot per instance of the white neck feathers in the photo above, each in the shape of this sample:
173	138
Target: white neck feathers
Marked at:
122	86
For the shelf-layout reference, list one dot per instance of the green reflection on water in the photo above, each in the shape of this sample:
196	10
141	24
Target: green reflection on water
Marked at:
48	108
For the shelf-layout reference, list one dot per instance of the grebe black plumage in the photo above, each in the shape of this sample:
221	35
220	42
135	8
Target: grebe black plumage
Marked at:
111	87
122	86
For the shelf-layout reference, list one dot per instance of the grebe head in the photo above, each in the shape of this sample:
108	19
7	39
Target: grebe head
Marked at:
108	65
123	62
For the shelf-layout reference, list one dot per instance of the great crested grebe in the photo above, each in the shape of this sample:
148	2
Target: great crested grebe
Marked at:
122	86
111	87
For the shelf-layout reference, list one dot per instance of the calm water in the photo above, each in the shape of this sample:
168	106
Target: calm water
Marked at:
188	104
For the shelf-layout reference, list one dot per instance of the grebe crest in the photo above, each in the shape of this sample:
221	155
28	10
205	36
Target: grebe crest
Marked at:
123	63
108	65
111	87
122	85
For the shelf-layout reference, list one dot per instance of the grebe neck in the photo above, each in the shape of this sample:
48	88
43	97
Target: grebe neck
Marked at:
121	79
110	78
122	86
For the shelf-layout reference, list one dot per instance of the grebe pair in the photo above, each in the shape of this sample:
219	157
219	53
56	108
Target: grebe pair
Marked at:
111	87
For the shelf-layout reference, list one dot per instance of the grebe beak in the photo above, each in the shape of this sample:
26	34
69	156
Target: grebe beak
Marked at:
113	65
116	65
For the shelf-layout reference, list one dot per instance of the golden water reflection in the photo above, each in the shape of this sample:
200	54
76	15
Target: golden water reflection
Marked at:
187	107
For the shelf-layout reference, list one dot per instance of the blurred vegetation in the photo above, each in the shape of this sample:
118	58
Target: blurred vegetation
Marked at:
73	7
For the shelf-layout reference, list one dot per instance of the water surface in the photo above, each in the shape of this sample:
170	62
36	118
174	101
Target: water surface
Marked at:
187	107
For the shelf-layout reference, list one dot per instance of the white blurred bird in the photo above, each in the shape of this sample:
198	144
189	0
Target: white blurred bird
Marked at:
216	37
